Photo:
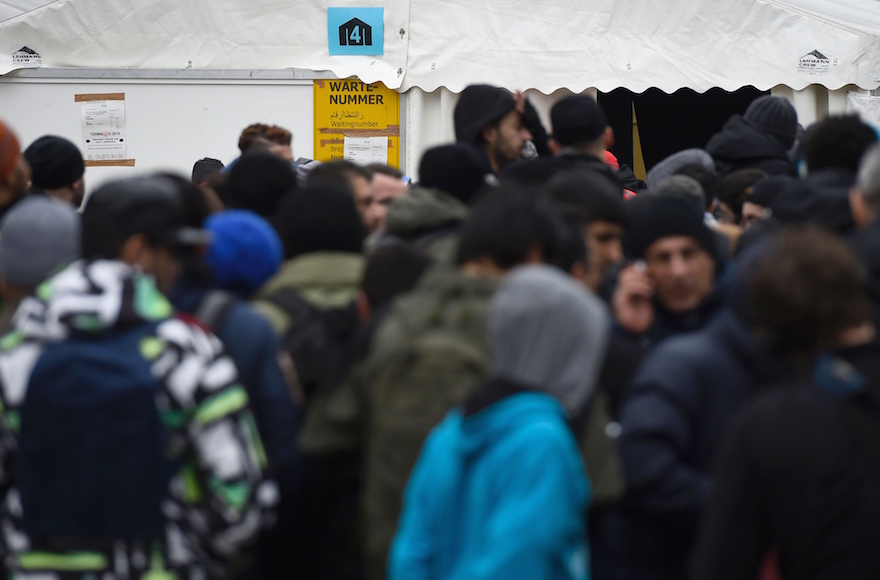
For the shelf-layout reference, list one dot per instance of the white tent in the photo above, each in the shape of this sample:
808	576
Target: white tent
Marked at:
602	44
796	47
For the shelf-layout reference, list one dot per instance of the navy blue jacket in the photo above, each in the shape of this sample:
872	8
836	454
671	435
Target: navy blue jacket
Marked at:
672	420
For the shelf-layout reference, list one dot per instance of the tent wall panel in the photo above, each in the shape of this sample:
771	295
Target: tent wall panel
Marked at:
170	123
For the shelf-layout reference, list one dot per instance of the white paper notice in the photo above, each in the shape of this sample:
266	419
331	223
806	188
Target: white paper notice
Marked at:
366	150
103	130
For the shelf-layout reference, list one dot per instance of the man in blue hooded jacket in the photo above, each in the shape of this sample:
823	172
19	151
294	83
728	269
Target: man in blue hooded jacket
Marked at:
500	490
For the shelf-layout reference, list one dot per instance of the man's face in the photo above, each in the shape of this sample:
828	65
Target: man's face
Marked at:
752	214
505	144
384	189
683	272
604	249
363	198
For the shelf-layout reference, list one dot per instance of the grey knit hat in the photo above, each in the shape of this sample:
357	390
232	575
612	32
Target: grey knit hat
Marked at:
38	236
776	116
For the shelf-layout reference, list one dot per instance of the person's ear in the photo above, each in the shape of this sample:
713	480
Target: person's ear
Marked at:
858	207
554	145
609	137
490	135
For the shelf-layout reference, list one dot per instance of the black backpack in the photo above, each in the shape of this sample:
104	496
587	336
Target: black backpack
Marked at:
315	340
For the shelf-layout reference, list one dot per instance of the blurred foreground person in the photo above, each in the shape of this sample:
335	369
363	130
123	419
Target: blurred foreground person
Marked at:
430	352
135	451
499	490
14	170
39	236
798	473
354	179
865	201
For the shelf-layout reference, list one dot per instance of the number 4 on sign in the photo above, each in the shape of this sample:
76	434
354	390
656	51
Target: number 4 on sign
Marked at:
356	35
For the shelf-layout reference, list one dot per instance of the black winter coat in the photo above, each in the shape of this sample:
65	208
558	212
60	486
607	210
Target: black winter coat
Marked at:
742	145
680	401
798	473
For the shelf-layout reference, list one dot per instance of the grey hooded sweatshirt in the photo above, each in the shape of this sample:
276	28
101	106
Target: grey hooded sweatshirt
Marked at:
549	333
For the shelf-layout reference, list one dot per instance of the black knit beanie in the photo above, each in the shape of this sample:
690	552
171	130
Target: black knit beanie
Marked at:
55	162
460	170
320	218
478	107
667	217
258	181
776	116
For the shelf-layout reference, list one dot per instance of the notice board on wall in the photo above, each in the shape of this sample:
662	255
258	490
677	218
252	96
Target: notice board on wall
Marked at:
356	121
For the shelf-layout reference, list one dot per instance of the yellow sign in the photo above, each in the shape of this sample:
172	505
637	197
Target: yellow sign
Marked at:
351	114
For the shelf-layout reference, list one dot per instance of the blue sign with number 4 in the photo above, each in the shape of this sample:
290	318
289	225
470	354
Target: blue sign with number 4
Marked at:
356	31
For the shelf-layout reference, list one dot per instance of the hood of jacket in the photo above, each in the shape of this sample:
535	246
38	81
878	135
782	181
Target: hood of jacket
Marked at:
497	422
445	297
740	139
549	333
822	198
90	298
325	279
423	210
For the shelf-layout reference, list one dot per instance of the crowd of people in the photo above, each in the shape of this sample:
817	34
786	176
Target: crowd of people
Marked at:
529	364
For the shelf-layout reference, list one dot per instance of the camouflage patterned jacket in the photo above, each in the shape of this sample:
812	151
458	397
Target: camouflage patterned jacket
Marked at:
217	497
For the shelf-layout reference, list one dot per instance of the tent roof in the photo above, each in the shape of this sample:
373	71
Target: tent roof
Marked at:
546	46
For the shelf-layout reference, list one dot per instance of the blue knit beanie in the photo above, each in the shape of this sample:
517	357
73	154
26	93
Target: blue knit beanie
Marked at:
245	251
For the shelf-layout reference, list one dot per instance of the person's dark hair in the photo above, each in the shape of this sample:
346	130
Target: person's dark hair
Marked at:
279	135
320	218
838	141
151	206
392	270
383	169
251	133
590	193
733	189
339	173
573	248
807	289
258	182
205	168
506	225
706	177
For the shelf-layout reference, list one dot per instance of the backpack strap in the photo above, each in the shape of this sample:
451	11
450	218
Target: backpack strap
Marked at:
291	303
214	308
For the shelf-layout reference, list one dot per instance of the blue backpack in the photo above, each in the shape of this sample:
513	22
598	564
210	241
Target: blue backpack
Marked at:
93	457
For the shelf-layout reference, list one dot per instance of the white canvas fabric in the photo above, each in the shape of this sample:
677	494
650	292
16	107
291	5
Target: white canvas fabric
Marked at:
547	46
